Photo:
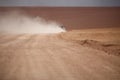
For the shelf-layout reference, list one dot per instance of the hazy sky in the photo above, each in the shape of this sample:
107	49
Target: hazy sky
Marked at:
66	3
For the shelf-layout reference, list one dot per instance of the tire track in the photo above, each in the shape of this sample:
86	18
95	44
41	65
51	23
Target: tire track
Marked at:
46	57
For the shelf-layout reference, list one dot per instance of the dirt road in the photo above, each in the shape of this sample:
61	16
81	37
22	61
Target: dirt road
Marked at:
48	57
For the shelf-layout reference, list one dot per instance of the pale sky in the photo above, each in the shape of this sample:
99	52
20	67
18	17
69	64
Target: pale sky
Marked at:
61	3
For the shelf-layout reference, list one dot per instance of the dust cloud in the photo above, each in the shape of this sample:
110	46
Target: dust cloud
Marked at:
19	23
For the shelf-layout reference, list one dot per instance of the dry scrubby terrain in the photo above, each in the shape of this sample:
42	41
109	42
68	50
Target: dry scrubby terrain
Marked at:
104	39
88	54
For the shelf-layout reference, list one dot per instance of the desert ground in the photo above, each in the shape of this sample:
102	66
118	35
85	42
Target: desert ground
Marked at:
87	54
88	50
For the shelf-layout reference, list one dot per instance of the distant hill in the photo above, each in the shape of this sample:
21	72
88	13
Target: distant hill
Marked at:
75	17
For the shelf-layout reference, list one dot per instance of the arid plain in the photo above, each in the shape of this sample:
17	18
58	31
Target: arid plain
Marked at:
92	53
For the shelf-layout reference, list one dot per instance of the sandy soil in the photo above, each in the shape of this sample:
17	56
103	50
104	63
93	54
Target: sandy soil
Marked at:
54	57
103	39
87	54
